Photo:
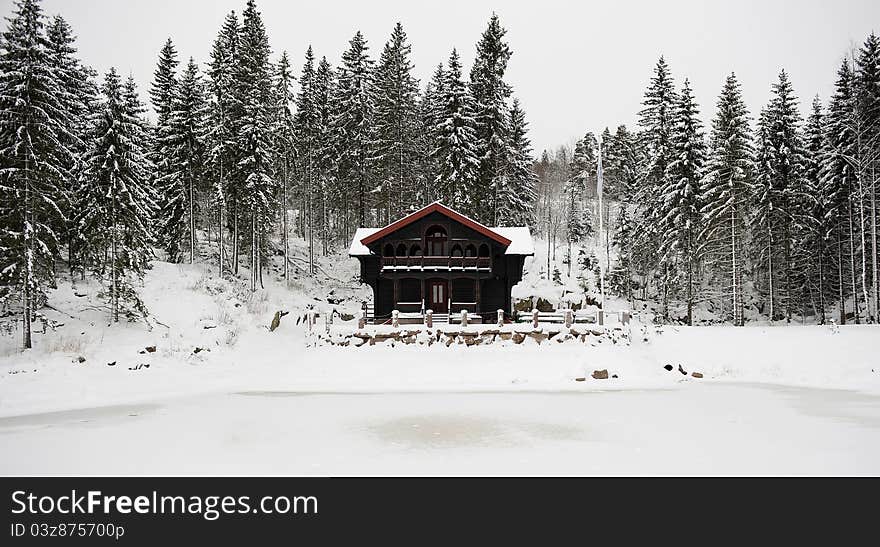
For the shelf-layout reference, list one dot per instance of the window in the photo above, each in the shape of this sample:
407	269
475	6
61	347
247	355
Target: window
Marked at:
416	250
470	250
401	250
456	251
435	241
484	250
389	250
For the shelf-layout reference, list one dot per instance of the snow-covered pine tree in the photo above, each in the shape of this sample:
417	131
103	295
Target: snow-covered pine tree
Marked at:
162	93
519	195
253	84
352	124
779	195
727	184
621	163
490	93
325	150
580	183
305	129
35	154
456	151
118	202
656	120
868	115
811	258
682	194
431	108
183	143
285	154
840	183
396	125
78	98
220	135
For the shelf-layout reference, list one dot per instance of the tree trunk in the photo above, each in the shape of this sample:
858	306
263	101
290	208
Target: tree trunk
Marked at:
28	274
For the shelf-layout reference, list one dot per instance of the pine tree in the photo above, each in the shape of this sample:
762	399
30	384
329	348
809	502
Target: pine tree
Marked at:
325	149
517	203
78	97
682	197
352	122
779	193
812	250
621	162
490	93
183	143
431	109
35	154
456	151
868	118
253	84
162	93
727	183
285	141
840	181
656	120
396	125
118	202
305	128
223	115
582	173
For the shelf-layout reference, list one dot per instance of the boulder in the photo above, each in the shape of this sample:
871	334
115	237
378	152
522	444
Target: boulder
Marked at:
600	374
580	379
682	371
697	374
517	338
668	367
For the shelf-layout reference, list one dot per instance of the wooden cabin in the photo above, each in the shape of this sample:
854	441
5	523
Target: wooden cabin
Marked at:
440	260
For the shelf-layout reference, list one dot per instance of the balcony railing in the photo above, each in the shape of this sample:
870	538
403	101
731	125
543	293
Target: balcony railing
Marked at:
438	262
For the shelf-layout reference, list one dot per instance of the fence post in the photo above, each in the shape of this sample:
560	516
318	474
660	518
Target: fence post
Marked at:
500	318
395	320
464	318
429	318
601	316
535	318
568	319
624	317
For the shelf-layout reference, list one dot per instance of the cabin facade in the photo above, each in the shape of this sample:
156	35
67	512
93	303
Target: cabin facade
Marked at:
440	260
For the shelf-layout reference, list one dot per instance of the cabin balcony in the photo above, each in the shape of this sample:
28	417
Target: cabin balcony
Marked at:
437	263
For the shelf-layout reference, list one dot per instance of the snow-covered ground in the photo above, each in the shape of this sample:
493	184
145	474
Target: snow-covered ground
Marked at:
223	394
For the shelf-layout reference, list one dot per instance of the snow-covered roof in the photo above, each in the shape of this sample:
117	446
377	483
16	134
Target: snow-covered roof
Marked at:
520	239
357	248
517	238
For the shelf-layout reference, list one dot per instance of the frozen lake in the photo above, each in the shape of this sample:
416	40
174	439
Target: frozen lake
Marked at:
705	428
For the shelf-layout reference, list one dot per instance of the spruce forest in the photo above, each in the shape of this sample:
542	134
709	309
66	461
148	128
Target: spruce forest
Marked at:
766	215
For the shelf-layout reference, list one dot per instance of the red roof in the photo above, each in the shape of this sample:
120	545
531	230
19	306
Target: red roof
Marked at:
439	208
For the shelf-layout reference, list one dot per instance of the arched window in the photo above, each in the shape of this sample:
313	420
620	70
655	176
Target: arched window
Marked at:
389	250
415	250
435	241
401	250
470	250
456	250
484	250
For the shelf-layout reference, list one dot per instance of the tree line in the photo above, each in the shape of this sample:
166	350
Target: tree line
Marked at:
774	217
239	155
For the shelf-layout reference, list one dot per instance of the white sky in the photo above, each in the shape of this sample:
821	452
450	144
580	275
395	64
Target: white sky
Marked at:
576	66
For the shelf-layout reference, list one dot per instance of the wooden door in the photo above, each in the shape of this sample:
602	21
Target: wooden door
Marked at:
438	296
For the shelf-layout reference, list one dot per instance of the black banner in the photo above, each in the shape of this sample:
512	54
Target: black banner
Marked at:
106	510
